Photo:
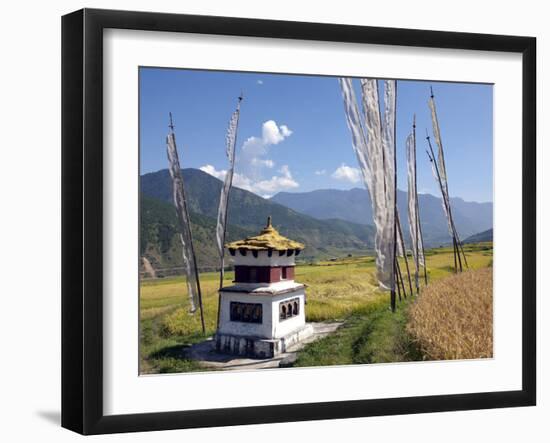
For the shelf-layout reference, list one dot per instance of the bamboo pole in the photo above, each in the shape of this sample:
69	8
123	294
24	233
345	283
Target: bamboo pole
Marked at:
463	253
222	271
458	255
455	254
400	231
198	281
459	244
397	283
399	278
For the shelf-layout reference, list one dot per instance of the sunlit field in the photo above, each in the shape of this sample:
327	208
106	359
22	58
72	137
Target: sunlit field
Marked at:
337	290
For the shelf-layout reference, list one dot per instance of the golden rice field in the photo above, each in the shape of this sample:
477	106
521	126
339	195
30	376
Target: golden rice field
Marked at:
454	317
335	291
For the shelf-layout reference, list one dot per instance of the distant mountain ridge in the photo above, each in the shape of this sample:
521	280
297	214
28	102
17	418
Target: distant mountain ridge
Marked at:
354	205
330	222
247	214
484	236
159	241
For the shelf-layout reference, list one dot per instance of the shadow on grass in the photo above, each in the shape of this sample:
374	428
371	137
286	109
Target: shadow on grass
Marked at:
176	351
171	359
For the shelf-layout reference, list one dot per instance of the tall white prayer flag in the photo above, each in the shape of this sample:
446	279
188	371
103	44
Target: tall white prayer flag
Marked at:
412	204
401	249
444	200
184	223
440	156
388	144
230	140
374	147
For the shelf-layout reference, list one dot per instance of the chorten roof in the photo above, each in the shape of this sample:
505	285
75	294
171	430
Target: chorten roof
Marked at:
269	238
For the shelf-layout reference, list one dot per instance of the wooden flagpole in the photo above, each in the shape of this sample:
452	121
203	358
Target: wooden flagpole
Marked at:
462	249
457	245
399	283
455	254
400	231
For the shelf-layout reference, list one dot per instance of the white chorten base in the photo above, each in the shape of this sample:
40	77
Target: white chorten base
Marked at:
261	321
260	347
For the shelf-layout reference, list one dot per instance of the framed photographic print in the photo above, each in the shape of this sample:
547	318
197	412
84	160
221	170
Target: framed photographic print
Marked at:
269	221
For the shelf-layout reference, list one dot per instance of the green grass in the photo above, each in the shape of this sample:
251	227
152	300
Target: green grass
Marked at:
372	334
341	290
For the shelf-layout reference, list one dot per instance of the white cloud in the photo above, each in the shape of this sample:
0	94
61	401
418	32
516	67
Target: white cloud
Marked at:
240	181
276	183
273	134
264	188
251	158
321	172
209	169
428	191
347	173
260	82
255	147
268	163
285	131
252	165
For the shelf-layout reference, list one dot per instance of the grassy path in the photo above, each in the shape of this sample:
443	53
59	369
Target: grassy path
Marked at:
370	335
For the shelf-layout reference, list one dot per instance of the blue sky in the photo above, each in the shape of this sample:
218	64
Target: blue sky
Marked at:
293	135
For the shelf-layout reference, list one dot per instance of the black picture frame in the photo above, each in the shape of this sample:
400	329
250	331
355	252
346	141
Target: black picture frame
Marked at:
82	215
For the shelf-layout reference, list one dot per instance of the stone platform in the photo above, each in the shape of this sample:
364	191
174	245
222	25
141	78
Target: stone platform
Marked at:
260	347
206	353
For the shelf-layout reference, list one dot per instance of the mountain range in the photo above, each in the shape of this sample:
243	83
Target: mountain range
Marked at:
330	222
484	236
248	214
354	205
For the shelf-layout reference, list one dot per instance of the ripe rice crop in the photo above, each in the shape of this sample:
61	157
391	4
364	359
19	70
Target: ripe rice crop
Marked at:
453	317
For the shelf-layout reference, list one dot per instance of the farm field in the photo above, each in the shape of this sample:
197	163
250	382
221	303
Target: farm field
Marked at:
337	290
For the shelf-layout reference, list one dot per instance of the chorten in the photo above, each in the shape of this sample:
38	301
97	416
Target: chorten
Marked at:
262	312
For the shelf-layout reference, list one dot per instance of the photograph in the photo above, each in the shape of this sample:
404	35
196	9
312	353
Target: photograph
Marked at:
290	221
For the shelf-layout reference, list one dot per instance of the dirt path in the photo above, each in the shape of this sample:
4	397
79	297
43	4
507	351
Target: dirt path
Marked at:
205	353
